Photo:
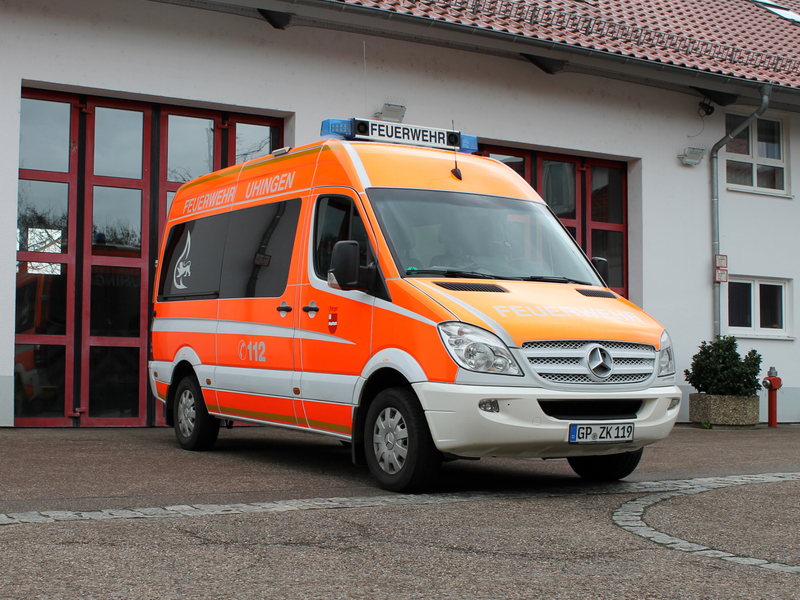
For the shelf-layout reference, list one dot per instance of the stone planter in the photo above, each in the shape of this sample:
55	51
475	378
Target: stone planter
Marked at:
723	410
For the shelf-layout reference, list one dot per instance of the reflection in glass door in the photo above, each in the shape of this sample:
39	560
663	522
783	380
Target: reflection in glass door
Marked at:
114	301
46	249
94	179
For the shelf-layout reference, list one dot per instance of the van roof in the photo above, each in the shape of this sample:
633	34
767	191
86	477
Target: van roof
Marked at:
401	166
363	165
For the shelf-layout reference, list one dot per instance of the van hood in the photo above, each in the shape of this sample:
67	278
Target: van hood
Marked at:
521	311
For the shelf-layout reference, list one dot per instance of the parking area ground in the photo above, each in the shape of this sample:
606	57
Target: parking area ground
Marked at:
124	513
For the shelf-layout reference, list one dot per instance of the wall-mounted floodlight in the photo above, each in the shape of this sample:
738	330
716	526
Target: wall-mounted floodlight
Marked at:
393	113
692	156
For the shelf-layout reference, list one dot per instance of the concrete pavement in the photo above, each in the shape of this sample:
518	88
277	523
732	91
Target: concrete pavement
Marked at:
113	513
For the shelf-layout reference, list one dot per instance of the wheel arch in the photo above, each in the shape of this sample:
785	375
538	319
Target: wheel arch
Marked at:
387	369
182	369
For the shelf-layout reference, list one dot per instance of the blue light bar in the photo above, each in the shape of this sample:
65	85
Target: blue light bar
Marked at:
469	144
343	127
399	133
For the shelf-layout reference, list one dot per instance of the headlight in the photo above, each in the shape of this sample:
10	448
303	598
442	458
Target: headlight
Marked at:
477	349
666	356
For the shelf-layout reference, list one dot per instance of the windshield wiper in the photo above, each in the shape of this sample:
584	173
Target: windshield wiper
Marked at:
553	279
450	273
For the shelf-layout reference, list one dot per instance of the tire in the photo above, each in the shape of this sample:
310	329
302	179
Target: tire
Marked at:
194	427
606	468
400	452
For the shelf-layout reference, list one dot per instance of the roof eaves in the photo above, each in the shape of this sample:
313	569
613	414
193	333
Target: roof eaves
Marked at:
765	63
602	35
620	63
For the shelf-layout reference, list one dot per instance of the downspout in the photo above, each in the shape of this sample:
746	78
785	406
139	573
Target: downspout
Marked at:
765	90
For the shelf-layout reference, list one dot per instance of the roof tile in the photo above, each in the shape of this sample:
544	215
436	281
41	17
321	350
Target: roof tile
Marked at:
739	38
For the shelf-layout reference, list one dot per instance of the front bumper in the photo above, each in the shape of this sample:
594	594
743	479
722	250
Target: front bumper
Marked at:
522	429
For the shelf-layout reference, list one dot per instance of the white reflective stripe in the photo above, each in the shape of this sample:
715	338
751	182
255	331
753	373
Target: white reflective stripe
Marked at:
328	387
255	381
240	328
497	328
185	325
250	328
305	334
322	286
359	166
402	311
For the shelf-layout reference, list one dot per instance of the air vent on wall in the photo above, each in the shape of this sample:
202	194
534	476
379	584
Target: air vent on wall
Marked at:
470	287
596	293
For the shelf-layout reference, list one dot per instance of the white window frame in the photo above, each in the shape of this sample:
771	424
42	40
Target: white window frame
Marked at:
754	160
756	331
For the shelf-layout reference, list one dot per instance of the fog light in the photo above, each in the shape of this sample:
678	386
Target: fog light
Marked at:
673	402
489	405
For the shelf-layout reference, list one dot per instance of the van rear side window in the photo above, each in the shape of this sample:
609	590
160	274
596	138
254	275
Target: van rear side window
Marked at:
240	254
259	250
193	259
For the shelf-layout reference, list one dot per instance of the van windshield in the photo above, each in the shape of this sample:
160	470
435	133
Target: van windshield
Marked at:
438	233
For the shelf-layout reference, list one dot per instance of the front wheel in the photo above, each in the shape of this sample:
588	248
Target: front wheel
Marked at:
606	468
400	452
194	427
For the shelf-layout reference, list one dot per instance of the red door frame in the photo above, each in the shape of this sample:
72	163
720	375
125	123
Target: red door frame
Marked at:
576	160
68	259
599	225
141	263
234	119
172	186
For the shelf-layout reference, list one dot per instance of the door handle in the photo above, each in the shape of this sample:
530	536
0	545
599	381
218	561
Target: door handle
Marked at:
311	308
284	308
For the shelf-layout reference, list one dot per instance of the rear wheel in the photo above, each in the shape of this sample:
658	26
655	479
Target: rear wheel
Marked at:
606	468
400	452
194	427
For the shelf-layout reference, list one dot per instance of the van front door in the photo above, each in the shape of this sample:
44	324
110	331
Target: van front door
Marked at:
334	326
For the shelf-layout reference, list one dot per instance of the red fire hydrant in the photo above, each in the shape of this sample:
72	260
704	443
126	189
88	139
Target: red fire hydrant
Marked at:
773	383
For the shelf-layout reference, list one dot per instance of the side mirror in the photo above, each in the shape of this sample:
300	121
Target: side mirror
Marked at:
601	264
344	271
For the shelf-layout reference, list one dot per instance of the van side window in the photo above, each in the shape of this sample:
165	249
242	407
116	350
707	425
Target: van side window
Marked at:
259	250
337	220
193	259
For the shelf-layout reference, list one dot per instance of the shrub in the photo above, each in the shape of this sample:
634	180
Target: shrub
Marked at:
718	369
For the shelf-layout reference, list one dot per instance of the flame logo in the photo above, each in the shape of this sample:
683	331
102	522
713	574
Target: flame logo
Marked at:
184	267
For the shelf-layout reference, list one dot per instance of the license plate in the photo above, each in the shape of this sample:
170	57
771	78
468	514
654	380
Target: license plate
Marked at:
607	433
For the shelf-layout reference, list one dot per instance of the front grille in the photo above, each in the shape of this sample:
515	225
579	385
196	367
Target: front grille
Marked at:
576	410
565	361
548	360
575	344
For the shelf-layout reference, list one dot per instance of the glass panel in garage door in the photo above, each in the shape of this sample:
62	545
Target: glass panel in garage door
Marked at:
114	300
44	348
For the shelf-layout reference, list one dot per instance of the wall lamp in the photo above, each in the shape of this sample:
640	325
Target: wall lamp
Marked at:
692	156
391	112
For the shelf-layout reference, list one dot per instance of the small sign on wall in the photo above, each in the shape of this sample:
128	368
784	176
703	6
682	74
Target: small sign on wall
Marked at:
721	261
721	275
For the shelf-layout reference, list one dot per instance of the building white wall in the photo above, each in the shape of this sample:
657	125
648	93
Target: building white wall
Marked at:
150	51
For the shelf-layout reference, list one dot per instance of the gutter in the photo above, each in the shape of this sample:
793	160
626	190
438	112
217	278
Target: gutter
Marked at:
765	90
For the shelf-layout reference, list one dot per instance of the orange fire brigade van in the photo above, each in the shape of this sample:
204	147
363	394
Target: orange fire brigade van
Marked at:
420	303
